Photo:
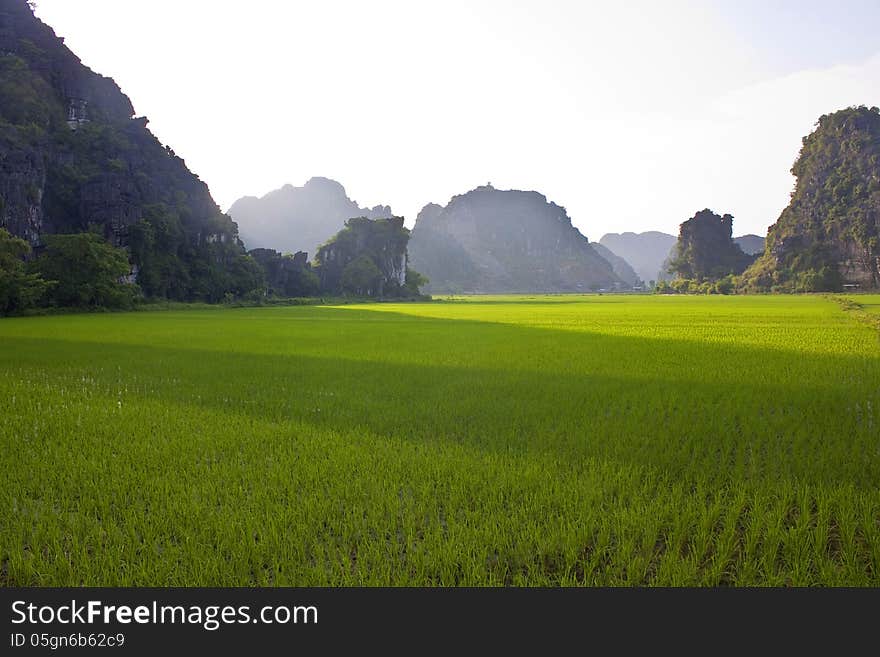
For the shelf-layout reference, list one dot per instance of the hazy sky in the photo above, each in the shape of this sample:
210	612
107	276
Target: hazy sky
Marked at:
632	115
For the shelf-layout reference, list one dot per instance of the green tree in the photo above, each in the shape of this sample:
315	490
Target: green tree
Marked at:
248	279
88	271
414	280
382	241
288	275
829	234
361	277
302	283
19	290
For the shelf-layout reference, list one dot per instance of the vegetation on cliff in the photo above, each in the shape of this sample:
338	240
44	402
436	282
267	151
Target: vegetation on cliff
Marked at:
80	270
368	258
829	235
85	271
287	275
73	158
19	288
705	249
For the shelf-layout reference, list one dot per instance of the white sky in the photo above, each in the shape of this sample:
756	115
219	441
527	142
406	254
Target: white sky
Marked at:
632	115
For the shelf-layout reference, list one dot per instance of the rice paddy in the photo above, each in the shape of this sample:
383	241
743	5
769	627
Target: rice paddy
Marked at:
484	441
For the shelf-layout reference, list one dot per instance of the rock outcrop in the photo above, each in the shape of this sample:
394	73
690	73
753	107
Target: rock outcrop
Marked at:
829	235
294	219
496	241
74	157
368	257
288	275
706	250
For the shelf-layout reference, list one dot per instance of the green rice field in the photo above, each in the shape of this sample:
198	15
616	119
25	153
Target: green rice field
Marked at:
485	441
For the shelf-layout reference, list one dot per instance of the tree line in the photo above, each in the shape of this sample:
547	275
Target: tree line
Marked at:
366	259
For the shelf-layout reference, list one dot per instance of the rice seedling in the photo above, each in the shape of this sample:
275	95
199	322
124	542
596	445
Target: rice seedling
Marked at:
489	441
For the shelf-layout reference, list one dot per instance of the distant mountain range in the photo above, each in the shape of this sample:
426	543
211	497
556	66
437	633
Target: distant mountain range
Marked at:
294	219
620	266
74	158
486	240
645	252
503	241
750	244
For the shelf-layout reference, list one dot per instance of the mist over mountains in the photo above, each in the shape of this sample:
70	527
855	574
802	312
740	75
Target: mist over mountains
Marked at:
750	244
292	219
620	266
486	240
74	158
498	241
650	252
645	252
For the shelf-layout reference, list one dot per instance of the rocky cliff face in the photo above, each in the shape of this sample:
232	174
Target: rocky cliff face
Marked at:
73	156
706	250
829	235
294	219
287	275
367	257
495	241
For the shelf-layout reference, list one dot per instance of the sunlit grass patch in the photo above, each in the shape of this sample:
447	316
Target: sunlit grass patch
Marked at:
563	440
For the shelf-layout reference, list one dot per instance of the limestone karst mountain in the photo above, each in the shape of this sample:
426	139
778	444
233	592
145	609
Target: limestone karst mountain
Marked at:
650	253
829	235
706	250
73	157
645	252
292	219
750	244
502	241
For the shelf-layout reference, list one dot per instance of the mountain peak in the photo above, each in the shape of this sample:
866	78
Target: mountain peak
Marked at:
292	219
645	252
328	184
497	241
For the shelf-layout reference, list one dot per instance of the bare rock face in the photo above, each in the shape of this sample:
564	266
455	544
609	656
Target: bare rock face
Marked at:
294	219
22	180
505	241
